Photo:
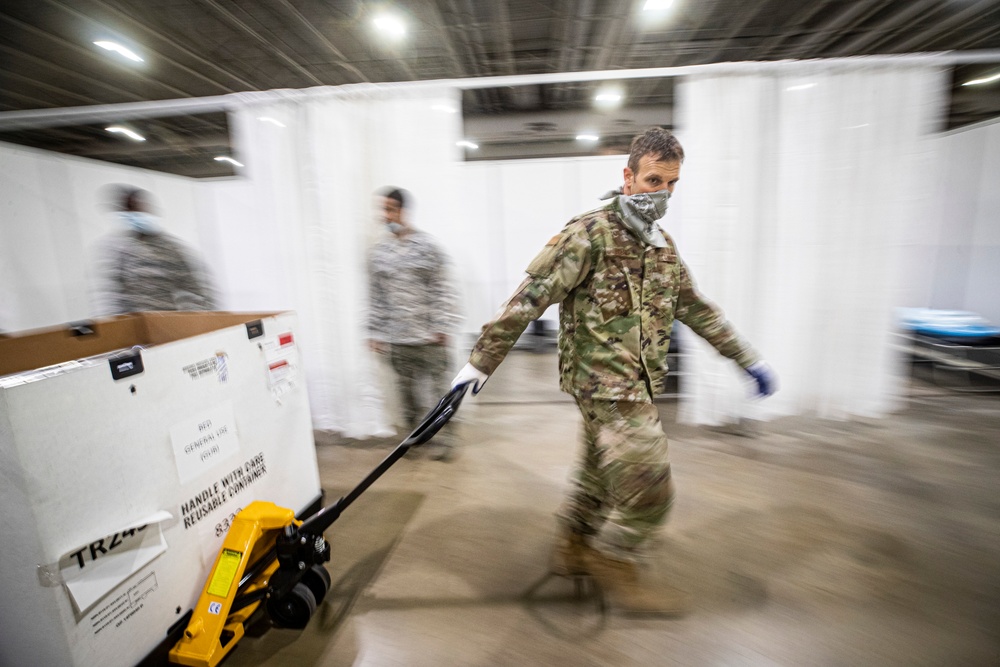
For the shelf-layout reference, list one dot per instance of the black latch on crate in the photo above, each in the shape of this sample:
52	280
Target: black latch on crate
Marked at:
126	365
255	329
82	328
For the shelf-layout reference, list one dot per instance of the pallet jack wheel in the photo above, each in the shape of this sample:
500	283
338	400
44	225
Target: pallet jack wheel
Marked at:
319	582
294	609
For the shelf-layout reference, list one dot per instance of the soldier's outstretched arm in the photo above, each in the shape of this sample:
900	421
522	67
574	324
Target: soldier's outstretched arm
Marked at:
561	265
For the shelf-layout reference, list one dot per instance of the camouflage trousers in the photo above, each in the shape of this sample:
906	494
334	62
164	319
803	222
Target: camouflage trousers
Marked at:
422	380
622	490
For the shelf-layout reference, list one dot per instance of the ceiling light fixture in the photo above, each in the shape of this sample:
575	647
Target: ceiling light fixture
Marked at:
119	49
390	25
588	137
657	5
608	98
223	158
445	108
804	86
465	143
268	119
979	82
117	129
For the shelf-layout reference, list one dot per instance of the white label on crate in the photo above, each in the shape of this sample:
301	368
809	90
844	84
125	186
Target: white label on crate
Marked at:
93	570
281	357
123	606
217	366
200	444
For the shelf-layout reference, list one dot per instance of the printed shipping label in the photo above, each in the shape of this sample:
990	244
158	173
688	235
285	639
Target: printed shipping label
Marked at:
93	570
203	442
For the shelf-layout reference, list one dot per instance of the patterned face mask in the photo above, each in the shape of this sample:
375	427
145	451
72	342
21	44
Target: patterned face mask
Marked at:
641	211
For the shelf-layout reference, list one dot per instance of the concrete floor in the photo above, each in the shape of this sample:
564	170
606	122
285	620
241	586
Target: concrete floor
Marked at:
812	543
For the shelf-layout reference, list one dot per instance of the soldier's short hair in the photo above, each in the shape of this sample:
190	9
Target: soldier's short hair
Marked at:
132	198
655	141
399	195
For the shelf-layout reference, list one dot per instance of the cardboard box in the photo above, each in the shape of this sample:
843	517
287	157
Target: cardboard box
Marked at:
122	466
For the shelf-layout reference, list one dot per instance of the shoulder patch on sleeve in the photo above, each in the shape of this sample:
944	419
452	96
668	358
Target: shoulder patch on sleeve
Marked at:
554	239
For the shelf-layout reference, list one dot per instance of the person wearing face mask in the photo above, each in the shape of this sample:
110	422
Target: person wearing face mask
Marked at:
141	267
620	284
413	313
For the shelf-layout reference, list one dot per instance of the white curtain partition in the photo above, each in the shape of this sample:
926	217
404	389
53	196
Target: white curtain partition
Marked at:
800	184
306	220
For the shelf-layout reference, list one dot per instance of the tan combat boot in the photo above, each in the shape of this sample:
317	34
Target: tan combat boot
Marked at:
629	593
568	557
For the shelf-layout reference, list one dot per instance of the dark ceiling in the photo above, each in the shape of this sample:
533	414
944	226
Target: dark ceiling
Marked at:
199	48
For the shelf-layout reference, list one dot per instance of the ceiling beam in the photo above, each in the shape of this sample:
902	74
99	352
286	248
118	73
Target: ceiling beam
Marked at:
970	40
437	24
256	36
52	89
90	54
457	27
160	56
342	60
73	74
616	31
947	26
850	17
502	17
743	19
914	10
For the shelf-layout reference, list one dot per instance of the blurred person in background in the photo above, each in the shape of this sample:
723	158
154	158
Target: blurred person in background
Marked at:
413	313
620	284
140	266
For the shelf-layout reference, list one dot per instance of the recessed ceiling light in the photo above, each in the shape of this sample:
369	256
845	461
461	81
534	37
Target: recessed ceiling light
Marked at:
445	108
978	82
804	86
608	98
390	25
587	137
224	158
465	143
657	5
117	129
119	49
268	119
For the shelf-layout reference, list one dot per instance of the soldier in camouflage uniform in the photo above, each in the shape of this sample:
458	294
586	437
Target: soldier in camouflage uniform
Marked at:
413	313
142	267
620	285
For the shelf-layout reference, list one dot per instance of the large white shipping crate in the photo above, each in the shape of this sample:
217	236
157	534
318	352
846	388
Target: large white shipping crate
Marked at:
120	468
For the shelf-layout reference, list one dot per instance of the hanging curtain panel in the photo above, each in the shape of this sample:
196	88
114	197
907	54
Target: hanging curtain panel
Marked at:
307	221
798	189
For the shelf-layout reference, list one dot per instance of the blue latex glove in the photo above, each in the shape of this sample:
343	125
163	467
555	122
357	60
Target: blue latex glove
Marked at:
767	381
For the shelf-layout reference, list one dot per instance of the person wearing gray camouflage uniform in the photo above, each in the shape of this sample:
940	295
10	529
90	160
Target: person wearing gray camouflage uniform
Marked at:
413	314
142	267
620	284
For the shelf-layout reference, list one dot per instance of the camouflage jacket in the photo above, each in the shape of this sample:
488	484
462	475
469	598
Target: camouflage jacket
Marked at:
149	272
411	296
618	301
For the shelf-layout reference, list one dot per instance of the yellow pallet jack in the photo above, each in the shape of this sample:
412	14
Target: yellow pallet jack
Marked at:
278	560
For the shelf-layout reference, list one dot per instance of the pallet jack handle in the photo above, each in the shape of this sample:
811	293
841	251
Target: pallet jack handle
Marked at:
295	541
431	424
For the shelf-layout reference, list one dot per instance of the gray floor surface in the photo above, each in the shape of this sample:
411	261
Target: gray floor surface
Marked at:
807	543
